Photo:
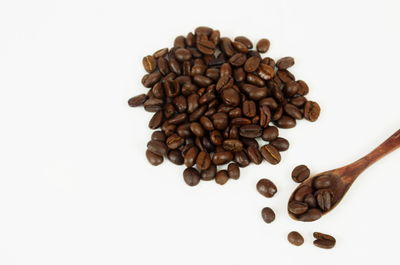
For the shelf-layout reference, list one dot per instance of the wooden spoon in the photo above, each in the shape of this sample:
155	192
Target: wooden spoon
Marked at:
328	188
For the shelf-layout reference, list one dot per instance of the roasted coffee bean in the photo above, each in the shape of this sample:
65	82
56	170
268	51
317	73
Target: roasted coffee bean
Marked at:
324	199
158	136
311	215
290	89
222	177
245	41
168	128
149	63
233	145
295	238
226	47
153	158
255	80
197	129
175	156
263	45
230	97
311	111
252	64
233	171
206	47
221	158
220	120
137	100
324	240
240	47
197	113
293	111
303	88
238	59
191	176
281	144
249	108
285	122
250	131
160	53
190	156
239	75
157	147
269	102
298	101
206	123
216	137
266	188
270	133
153	104
268	215
254	154
179	42
174	141
270	154
265	71
241	159
224	82
203	160
209	174
300	173
215	36
285	62
156	120
310	200
183	54
297	207
302	192
323	182
265	116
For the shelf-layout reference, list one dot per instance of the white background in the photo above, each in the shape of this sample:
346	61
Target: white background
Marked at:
75	187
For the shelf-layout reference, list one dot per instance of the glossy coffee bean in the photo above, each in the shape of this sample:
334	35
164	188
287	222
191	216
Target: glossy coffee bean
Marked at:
245	41
174	141
250	131
149	63
297	207
266	188
252	64
220	120
281	144
137	100
222	157
270	154
233	145
241	159
158	136
190	156
153	158
268	215
324	240
310	200
302	192
300	173
323	182
175	156
263	45
222	177
230	97
254	154
311	111
157	147
285	62
311	215
191	176
233	171
156	120
203	161
324	199
209	174
270	133
293	111
295	238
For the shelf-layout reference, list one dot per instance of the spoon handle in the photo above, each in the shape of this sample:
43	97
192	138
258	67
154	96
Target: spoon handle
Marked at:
391	144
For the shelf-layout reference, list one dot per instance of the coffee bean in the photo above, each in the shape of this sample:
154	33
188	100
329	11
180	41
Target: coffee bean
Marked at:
149	63
302	192
285	62
153	104
290	89
203	160
310	200
230	97
250	131
158	136
281	144
221	177
270	133
249	108
174	141
265	116
267	215
226	47
233	171
160	53
324	240
241	159
240	47
295	238
209	174
222	157
298	101
303	87
245	41
324	199
266	188
156	120
157	147
293	111
270	154
254	155
311	215
137	100
197	129
238	59
216	137
323	182
191	176
233	145
153	158
285	122
239	75
220	120
190	156
175	156
263	45
265	71
183	54
300	173
297	207
311	111
252	64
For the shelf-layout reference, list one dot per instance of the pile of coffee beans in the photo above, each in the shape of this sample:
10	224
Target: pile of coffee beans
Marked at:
213	97
321	240
311	200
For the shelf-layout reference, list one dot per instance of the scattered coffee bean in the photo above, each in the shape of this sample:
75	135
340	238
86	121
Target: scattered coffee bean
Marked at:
266	188
263	45
153	158
311	110
267	215
324	240
285	62
300	173
191	176
137	100
233	171
281	144
295	238
270	154
222	177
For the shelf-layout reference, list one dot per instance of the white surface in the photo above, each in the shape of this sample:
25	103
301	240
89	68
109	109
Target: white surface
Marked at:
75	187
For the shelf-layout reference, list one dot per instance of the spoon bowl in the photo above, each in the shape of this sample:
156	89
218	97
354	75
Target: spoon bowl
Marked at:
320	194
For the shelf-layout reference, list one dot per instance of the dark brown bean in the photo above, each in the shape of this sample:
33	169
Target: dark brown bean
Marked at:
311	215
222	157
311	111
250	131
324	240
254	154
190	156
303	88
297	207
270	154
245	41
158	136
270	133
153	158
293	111
285	122
238	59
220	120
281	144
233	145
233	171
222	177
197	129
265	71
268	215
149	63
323	182
252	64
263	45
295	238
156	120
266	188
310	200
175	156
160	53
209	174
241	159
324	199
191	176
157	147
230	97
137	100
302	192
285	62
203	161
300	173
174	141
249	108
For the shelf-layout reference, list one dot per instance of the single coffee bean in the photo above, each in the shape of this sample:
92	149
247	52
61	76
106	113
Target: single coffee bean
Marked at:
295	238
222	157
241	159
245	41
265	71
266	188
302	192
190	156
220	120
160	53
293	111
270	154
265	116
226	47
233	171
215	36
230	97
311	215
303	88
324	240
149	63
324	199
156	120
216	137
206	47
137	100
183	54
300	173
174	141
322	182
153	158
298	101
252	64
238	59
268	215
157	147
285	122
209	173
250	131
254	154
281	144
175	156
249	108
233	145
158	136
153	104
290	89
180	103
203	160
270	133
297	207
221	177
152	79
311	111
310	200
285	62
191	176
197	129
255	80
263	45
